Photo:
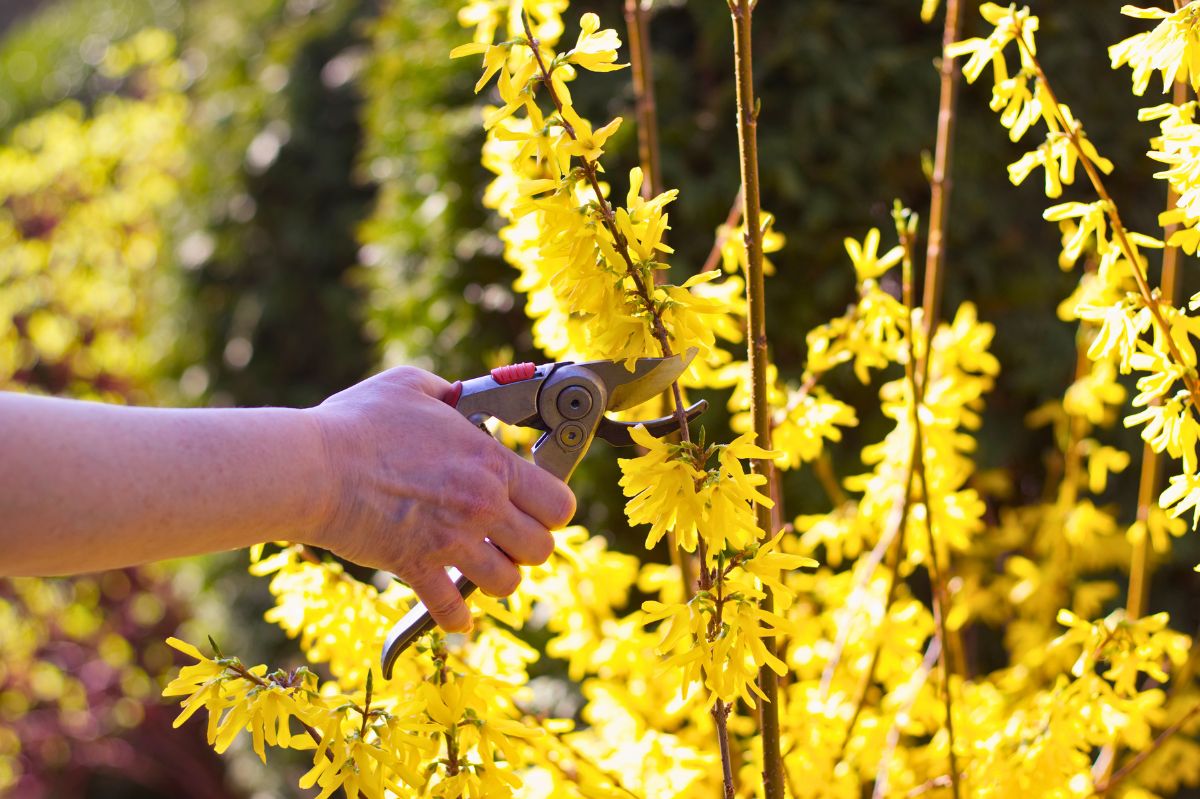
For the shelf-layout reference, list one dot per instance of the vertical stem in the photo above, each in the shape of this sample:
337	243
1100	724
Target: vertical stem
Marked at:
939	201
940	183
932	653
756	337
936	574
1152	301
895	551
590	171
823	469
440	657
1152	462
720	714
648	155
731	220
1150	483
710	579
643	92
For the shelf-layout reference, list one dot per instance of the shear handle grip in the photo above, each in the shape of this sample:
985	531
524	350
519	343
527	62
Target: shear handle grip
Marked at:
416	623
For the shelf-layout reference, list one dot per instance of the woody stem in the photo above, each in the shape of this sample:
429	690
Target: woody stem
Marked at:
936	573
590	172
940	182
1148	297
756	340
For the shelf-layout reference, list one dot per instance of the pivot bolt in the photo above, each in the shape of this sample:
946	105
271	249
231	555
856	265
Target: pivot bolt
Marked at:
570	436
575	402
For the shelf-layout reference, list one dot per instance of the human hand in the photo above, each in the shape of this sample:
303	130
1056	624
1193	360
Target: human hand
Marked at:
416	488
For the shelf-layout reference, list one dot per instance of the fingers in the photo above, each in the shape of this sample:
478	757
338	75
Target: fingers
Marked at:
523	538
442	599
419	379
540	494
490	569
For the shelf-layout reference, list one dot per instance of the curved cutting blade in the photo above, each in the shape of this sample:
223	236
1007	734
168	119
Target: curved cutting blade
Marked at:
649	378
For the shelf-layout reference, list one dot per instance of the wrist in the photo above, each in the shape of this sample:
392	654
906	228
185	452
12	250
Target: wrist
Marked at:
322	489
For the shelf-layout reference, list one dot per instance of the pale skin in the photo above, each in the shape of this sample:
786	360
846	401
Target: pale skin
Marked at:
383	474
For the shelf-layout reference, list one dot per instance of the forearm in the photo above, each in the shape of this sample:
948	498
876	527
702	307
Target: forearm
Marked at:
86	486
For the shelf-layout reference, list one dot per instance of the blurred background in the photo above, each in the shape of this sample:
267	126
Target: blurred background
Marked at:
260	202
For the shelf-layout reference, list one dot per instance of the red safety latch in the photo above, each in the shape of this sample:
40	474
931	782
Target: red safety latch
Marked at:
454	394
513	372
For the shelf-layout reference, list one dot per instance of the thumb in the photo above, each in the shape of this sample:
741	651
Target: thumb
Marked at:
417	379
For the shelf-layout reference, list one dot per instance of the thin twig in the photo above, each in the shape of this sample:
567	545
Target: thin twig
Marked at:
866	570
713	581
1140	757
1150	483
1152	462
940	182
245	673
894	555
590	171
1149	298
643	92
723	233
940	187
893	737
939	203
720	714
637	25
936	573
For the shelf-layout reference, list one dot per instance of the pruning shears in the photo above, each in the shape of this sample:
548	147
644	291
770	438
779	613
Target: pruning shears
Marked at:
567	401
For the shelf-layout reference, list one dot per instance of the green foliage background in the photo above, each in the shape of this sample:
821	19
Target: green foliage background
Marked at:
331	219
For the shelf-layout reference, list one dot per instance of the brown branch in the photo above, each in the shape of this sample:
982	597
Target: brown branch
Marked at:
590	171
720	714
1152	462
1140	757
932	653
937	575
894	555
1150	483
638	27
643	91
756	345
720	709
897	519
710	579
940	183
1148	297
731	220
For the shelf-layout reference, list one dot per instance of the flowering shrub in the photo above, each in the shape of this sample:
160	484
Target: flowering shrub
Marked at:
826	655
